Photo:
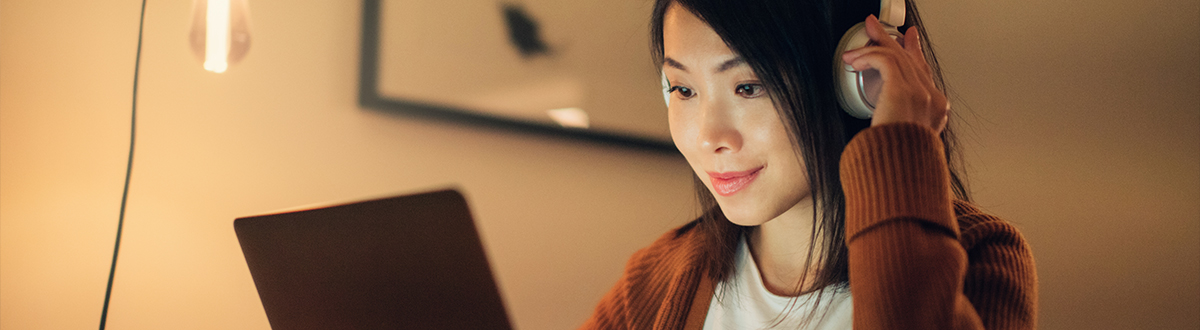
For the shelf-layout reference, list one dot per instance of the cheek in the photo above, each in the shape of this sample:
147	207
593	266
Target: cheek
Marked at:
683	131
778	140
793	174
770	130
683	134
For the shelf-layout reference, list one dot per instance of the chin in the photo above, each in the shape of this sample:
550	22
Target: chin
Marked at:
742	216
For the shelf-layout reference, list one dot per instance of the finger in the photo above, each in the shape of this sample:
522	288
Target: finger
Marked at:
892	63
850	56
940	111
878	34
912	43
906	80
890	69
912	40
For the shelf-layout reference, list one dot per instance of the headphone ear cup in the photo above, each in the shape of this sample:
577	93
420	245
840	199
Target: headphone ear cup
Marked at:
858	91
666	90
849	88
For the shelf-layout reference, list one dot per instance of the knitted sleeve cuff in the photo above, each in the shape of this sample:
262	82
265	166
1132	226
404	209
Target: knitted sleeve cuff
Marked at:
896	171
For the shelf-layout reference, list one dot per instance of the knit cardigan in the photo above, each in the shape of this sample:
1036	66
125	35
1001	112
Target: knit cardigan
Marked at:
918	259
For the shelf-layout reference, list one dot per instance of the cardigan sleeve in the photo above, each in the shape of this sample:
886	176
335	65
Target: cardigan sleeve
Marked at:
907	264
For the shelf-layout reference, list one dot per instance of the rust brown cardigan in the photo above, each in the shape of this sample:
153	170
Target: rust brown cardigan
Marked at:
918	258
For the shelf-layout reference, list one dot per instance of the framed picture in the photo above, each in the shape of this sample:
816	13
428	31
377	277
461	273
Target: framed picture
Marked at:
576	69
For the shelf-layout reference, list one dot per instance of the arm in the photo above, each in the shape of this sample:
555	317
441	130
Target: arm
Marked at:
1001	277
908	266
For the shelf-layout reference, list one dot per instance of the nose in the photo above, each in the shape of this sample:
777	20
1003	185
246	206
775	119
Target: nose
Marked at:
718	132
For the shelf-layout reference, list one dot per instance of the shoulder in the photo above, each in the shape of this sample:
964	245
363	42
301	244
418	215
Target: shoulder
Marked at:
658	284
1001	279
676	249
980	229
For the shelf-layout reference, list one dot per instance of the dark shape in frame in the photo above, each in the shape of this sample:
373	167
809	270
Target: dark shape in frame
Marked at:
523	31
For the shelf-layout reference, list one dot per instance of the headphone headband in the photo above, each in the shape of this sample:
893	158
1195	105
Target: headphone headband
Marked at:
891	12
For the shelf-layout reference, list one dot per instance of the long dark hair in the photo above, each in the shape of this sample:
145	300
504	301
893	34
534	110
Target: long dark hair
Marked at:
790	46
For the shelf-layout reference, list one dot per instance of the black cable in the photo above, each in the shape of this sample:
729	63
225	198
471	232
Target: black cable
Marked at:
128	168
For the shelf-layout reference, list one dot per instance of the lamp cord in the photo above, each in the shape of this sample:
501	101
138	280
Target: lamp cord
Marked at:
128	168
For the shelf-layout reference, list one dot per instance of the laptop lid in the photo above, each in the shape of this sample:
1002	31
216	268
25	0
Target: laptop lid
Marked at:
407	262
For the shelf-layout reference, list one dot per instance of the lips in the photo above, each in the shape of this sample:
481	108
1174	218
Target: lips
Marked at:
729	183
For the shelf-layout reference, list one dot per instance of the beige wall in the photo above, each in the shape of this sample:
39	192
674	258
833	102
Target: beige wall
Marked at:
1084	131
281	129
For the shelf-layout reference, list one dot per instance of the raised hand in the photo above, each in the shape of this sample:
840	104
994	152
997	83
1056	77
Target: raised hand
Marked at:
909	94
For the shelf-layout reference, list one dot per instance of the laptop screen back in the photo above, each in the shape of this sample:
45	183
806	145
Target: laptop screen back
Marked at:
408	262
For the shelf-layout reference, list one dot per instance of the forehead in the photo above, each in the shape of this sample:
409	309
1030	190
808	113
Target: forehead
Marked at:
690	41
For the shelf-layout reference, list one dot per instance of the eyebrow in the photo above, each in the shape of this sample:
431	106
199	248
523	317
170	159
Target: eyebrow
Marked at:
725	66
730	64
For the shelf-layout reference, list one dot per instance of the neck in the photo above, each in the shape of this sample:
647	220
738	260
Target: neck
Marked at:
780	248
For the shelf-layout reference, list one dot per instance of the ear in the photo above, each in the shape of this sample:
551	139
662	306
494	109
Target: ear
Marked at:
666	89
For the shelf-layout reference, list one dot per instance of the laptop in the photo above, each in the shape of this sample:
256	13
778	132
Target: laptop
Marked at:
407	262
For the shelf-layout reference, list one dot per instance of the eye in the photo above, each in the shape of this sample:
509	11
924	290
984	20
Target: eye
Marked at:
684	92
749	90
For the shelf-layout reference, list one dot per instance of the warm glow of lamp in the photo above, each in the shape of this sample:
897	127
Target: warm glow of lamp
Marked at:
220	32
569	117
216	50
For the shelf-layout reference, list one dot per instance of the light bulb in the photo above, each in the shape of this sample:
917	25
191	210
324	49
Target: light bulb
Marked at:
569	117
220	33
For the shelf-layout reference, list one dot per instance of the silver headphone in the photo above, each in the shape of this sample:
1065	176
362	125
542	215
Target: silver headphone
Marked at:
858	91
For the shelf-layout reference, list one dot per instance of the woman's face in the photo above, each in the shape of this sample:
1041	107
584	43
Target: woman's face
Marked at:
725	124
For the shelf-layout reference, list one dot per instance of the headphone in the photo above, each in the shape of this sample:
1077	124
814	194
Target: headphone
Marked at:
858	91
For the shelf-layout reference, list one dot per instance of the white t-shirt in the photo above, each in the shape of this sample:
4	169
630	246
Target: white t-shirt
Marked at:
743	302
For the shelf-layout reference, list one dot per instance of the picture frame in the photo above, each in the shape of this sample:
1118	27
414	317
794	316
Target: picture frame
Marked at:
512	66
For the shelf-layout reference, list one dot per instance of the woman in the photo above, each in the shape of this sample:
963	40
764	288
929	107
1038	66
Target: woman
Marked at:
815	219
